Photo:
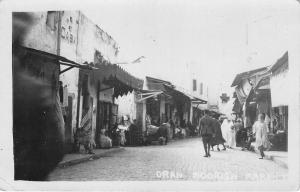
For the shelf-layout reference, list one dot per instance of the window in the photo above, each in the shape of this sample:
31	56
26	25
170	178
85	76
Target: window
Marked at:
194	85
201	88
51	20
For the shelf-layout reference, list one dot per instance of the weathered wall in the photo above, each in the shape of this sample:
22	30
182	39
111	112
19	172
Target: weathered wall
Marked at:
42	34
79	40
68	49
90	38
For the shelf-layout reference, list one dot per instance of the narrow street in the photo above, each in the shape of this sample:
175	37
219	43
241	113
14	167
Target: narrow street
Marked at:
179	160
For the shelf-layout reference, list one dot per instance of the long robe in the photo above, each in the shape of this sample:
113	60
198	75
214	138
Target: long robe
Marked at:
218	139
224	128
260	130
231	135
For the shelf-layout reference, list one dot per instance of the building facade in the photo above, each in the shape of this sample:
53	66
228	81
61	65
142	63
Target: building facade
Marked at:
87	80
266	90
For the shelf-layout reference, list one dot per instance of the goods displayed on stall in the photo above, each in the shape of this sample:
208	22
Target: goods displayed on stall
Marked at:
154	133
83	138
105	141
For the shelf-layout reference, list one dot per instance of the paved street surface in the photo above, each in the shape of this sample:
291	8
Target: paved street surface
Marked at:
179	160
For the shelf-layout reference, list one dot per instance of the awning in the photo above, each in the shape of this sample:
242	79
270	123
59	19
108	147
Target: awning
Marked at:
198	101
147	94
175	91
56	59
156	84
282	62
115	76
239	77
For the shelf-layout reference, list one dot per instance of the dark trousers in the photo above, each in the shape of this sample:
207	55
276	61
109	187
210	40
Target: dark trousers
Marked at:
206	139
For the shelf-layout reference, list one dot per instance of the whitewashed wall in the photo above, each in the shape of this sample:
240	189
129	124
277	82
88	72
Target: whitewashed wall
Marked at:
68	49
40	35
280	89
91	39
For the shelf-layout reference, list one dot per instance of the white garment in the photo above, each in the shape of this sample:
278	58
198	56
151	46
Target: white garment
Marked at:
267	122
105	142
224	128
123	138
231	135
231	142
260	130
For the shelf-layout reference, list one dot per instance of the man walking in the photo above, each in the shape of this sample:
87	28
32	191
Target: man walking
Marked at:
218	138
207	131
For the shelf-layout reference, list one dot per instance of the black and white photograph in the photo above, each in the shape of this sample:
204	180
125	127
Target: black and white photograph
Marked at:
150	95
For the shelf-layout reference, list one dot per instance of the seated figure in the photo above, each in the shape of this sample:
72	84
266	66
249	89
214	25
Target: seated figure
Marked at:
105	141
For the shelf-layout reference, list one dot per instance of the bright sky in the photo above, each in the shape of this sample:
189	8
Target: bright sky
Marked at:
213	40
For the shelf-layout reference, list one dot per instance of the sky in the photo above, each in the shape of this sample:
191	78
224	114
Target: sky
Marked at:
211	40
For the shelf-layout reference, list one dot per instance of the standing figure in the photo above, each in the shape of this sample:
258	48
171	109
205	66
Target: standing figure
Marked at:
231	135
207	131
218	139
225	129
241	134
260	130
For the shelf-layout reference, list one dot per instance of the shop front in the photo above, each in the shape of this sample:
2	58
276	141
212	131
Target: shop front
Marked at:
110	82
187	113
280	92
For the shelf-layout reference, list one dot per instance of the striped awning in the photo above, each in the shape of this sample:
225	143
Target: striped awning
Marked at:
114	76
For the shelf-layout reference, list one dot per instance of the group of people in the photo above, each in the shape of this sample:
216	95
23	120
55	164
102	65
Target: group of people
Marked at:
227	134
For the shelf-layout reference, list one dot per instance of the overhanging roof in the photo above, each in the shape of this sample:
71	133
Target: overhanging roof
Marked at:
178	92
239	77
114	75
156	84
147	94
56	58
280	62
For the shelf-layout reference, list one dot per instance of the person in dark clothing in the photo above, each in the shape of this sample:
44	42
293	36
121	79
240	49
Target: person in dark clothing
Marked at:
133	132
172	126
241	135
218	139
207	131
164	131
38	125
115	136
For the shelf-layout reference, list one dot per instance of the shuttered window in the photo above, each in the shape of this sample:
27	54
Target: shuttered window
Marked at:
194	85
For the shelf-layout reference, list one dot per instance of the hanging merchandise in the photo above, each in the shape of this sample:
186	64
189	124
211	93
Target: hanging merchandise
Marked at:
280	110
65	96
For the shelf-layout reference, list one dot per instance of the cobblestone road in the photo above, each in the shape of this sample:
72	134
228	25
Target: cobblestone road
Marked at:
179	160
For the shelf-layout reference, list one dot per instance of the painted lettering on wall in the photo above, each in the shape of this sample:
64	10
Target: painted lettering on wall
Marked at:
68	29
